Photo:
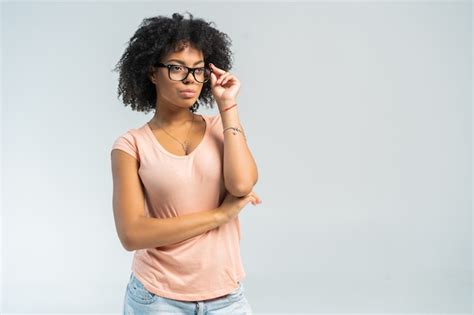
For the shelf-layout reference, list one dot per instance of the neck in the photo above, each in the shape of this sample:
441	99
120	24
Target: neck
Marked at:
172	117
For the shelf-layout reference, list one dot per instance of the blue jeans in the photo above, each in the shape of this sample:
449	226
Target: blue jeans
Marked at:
139	300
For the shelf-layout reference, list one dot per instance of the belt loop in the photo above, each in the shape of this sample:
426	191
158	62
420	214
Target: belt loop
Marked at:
200	308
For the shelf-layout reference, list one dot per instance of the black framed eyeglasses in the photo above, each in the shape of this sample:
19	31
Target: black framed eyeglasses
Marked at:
180	72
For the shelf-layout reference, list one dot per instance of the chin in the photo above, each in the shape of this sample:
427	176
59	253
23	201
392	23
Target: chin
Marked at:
190	102
186	103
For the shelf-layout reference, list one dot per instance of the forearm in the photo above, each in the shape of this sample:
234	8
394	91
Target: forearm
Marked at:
240	169
148	232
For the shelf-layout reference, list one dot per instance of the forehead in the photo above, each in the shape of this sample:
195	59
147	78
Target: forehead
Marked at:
189	54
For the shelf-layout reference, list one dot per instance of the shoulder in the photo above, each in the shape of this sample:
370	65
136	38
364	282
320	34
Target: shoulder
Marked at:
216	128
128	142
214	120
130	135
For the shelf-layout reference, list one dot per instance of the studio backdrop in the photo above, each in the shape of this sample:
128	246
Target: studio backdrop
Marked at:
358	115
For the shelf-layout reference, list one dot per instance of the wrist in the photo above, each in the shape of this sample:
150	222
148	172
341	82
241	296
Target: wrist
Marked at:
220	216
226	103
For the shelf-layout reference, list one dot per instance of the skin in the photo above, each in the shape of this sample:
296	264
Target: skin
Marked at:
135	230
173	117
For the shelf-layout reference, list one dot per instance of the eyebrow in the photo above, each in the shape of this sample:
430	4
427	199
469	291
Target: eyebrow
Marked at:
182	62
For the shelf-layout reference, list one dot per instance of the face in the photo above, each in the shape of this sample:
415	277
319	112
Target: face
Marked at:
169	93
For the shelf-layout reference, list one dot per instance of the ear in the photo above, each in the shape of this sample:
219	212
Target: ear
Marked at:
152	74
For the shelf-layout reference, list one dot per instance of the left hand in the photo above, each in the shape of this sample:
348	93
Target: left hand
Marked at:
224	86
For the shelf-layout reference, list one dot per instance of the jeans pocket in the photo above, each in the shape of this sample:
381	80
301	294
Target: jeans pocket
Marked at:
245	306
137	292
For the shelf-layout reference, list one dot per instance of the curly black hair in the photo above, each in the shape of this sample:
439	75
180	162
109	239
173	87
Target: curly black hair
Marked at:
155	38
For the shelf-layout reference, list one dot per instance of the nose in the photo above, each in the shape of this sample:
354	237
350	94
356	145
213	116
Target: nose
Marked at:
190	74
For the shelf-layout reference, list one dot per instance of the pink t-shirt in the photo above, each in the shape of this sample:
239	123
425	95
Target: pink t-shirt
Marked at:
202	267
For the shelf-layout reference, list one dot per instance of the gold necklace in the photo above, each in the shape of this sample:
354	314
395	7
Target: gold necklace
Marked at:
185	144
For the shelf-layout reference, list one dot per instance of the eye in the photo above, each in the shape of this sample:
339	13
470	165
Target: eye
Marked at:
176	68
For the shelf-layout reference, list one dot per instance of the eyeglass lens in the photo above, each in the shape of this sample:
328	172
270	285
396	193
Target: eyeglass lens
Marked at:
200	74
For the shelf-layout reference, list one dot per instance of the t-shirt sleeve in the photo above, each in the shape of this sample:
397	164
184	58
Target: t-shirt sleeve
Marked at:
127	143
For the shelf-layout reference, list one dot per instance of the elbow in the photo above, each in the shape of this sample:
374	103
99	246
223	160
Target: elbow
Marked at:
127	242
128	246
129	236
240	190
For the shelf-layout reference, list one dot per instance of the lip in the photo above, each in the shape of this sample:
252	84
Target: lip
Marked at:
187	93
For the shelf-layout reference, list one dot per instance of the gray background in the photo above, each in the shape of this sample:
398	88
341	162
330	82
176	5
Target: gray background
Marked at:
358	115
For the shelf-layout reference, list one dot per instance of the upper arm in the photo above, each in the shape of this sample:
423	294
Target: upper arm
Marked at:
128	195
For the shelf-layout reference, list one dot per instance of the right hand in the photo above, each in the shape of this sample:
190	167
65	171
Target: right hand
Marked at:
232	205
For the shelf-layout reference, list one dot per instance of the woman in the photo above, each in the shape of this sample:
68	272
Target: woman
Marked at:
181	179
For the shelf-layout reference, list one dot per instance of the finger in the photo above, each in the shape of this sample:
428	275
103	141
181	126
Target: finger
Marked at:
256	201
253	200
258	198
218	70
222	78
219	80
213	79
230	77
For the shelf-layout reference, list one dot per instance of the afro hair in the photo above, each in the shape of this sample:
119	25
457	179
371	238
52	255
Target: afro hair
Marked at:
155	38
